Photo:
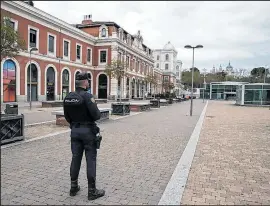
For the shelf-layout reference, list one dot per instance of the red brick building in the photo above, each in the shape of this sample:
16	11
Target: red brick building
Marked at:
64	50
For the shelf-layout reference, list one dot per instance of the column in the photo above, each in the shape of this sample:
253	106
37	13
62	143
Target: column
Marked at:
124	87
135	88
130	88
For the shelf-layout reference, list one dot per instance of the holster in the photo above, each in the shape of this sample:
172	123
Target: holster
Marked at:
98	140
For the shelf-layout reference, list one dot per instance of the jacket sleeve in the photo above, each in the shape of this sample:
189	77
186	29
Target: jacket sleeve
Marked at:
92	107
67	117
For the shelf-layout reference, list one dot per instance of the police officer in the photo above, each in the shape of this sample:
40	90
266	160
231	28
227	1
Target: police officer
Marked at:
81	112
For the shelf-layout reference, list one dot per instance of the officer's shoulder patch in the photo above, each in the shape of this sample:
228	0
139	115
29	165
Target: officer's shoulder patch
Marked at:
92	99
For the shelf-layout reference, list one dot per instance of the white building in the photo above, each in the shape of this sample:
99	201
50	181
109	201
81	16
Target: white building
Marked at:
166	61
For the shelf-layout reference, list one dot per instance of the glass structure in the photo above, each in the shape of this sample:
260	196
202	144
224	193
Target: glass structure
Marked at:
9	81
253	94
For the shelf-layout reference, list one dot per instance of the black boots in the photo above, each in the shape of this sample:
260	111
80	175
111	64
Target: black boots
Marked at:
93	192
74	188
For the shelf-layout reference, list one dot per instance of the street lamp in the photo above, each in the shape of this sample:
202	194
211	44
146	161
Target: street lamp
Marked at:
30	78
192	75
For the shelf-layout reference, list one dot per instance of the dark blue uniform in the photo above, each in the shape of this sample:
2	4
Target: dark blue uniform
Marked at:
81	112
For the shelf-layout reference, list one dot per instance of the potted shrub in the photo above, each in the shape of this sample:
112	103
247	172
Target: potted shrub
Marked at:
117	69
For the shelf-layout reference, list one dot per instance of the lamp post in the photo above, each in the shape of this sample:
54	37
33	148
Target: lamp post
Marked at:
204	83
30	78
192	73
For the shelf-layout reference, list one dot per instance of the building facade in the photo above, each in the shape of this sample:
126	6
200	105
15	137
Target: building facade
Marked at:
166	61
63	50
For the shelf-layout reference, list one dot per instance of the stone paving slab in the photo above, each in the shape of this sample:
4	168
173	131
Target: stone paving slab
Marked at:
231	165
137	158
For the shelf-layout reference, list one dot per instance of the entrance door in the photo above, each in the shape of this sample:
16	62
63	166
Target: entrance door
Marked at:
102	86
50	93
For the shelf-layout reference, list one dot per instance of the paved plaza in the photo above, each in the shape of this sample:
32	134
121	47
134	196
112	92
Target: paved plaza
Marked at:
232	160
137	158
140	154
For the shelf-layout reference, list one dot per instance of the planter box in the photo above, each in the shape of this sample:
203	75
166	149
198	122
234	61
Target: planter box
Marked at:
140	106
123	100
121	108
100	101
170	100
60	118
52	104
155	103
163	102
12	128
138	98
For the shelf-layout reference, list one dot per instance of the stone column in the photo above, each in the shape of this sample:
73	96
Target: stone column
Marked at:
113	82
124	87
130	88
135	88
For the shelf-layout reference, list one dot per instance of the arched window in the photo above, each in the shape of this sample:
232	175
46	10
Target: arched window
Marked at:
167	57
103	32
33	83
177	68
65	83
50	93
9	81
166	66
157	65
157	57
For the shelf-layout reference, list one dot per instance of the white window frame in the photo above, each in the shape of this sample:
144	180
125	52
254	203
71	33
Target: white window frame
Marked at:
37	43
15	25
55	40
99	63
128	61
79	60
90	63
14	21
69	44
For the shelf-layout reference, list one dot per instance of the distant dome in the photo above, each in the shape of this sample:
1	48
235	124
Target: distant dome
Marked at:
229	66
169	46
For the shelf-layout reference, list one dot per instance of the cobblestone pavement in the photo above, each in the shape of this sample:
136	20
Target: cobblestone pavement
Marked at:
137	158
232	161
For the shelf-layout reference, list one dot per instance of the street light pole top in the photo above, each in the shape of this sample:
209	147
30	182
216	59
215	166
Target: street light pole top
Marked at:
199	46
33	49
192	47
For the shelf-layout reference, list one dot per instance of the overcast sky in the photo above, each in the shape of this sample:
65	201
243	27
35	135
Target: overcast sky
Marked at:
235	31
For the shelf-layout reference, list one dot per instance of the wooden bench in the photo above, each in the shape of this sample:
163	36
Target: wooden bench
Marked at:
163	102
47	104
139	106
60	118
175	100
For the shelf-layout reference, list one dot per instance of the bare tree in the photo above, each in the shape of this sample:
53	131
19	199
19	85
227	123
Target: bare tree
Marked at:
117	69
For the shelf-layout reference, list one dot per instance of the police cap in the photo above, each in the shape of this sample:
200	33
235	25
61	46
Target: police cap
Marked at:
82	76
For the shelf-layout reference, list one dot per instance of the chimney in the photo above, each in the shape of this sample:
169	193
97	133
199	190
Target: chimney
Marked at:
31	3
87	19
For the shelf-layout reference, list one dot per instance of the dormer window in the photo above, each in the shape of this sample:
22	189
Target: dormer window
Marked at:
103	32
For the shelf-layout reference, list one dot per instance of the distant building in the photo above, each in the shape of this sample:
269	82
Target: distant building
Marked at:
171	68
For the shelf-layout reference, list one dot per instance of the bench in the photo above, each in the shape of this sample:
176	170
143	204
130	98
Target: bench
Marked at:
60	118
163	102
175	100
149	98
47	104
139	106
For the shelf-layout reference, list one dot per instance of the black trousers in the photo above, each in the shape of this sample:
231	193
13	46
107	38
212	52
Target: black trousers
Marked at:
83	139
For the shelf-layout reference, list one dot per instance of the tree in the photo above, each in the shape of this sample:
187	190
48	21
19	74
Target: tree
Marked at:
11	42
258	72
153	80
117	69
195	69
187	79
